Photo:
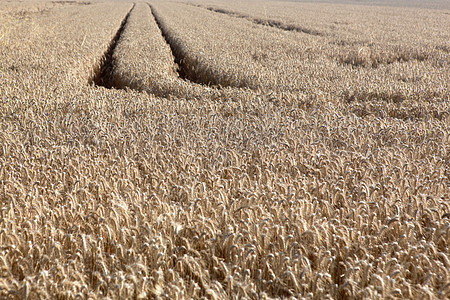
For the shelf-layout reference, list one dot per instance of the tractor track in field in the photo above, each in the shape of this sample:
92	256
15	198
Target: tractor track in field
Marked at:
264	22
181	67
104	75
188	67
185	72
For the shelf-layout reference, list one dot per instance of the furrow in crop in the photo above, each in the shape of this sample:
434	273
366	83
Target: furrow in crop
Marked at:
143	61
188	67
142	58
104	75
265	22
178	57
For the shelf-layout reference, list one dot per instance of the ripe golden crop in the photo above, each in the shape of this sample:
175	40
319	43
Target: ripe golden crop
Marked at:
242	152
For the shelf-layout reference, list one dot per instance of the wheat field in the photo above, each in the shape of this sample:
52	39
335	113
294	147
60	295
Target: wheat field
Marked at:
224	150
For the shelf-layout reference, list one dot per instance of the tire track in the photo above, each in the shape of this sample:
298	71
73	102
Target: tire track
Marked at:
265	22
104	75
185	66
181	67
